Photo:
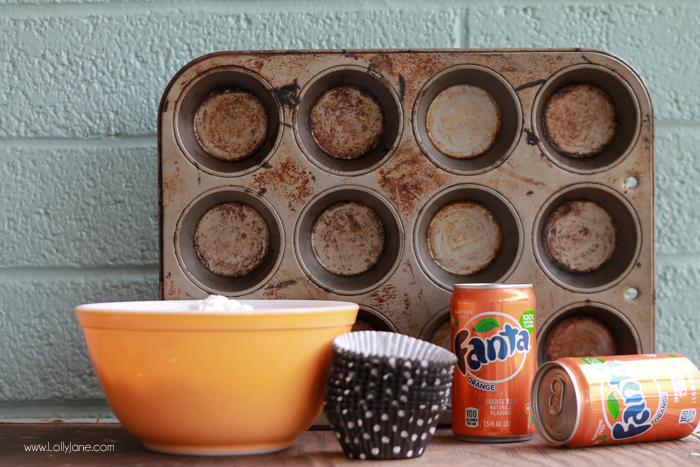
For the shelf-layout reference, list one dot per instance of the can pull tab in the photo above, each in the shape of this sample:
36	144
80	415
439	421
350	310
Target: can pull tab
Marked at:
556	397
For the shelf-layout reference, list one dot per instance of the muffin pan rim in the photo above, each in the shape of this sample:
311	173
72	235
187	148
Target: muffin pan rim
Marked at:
418	125
398	251
183	94
541	256
278	228
563	313
538	107
380	80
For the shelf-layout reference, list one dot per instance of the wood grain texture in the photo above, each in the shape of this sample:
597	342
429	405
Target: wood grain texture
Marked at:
321	449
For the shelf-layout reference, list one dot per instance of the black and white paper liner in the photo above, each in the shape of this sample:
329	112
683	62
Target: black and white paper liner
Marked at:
389	344
387	373
384	433
388	383
386	395
396	368
360	383
344	357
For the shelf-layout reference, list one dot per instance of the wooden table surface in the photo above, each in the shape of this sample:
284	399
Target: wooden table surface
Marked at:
320	448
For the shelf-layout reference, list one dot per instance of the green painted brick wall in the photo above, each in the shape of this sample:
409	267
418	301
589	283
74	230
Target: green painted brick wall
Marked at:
80	84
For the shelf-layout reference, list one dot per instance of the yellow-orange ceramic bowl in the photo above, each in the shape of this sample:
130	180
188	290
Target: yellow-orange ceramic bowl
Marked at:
196	382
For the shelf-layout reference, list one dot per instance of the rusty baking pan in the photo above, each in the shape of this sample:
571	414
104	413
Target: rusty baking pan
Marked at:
384	177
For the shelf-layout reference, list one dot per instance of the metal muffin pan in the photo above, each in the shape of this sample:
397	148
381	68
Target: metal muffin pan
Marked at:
348	213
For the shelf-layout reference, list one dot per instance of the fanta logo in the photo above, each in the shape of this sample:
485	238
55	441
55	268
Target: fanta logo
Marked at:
473	352
631	407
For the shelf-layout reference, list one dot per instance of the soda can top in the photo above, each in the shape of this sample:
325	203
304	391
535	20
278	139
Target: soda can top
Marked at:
492	286
555	400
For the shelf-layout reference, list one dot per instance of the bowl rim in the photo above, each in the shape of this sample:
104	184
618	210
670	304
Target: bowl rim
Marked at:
153	316
161	307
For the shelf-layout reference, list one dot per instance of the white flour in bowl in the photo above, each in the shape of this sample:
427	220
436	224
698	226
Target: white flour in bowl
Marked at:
219	303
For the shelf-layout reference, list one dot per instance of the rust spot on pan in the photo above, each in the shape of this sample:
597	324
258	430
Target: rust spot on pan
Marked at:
347	122
288	95
381	64
463	121
579	236
173	292
288	179
348	238
464	238
522	178
231	240
231	124
579	336
579	120
408	179
385	294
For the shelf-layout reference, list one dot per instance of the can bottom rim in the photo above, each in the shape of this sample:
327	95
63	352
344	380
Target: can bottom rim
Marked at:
494	439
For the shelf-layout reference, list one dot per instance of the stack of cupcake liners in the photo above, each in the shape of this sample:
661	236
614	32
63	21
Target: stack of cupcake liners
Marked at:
385	393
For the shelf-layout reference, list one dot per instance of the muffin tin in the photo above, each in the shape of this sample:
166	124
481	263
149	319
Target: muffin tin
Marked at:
352	163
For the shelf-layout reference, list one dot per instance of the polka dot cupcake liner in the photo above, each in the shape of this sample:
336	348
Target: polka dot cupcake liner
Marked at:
401	395
402	350
333	404
385	371
380	433
386	406
385	393
360	385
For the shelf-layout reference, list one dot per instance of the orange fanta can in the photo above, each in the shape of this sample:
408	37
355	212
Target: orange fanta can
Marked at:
599	401
493	337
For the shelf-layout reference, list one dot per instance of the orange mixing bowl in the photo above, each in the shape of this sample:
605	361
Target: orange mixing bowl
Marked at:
196	382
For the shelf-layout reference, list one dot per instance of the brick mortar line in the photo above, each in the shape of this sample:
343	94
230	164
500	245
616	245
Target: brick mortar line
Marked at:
31	10
265	7
137	141
68	274
678	260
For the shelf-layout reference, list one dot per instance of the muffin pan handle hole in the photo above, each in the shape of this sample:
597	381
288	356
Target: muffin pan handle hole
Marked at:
632	293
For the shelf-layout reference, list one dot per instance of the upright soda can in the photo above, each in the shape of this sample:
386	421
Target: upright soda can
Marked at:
600	401
493	337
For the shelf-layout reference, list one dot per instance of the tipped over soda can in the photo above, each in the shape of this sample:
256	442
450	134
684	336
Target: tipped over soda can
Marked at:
598	401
